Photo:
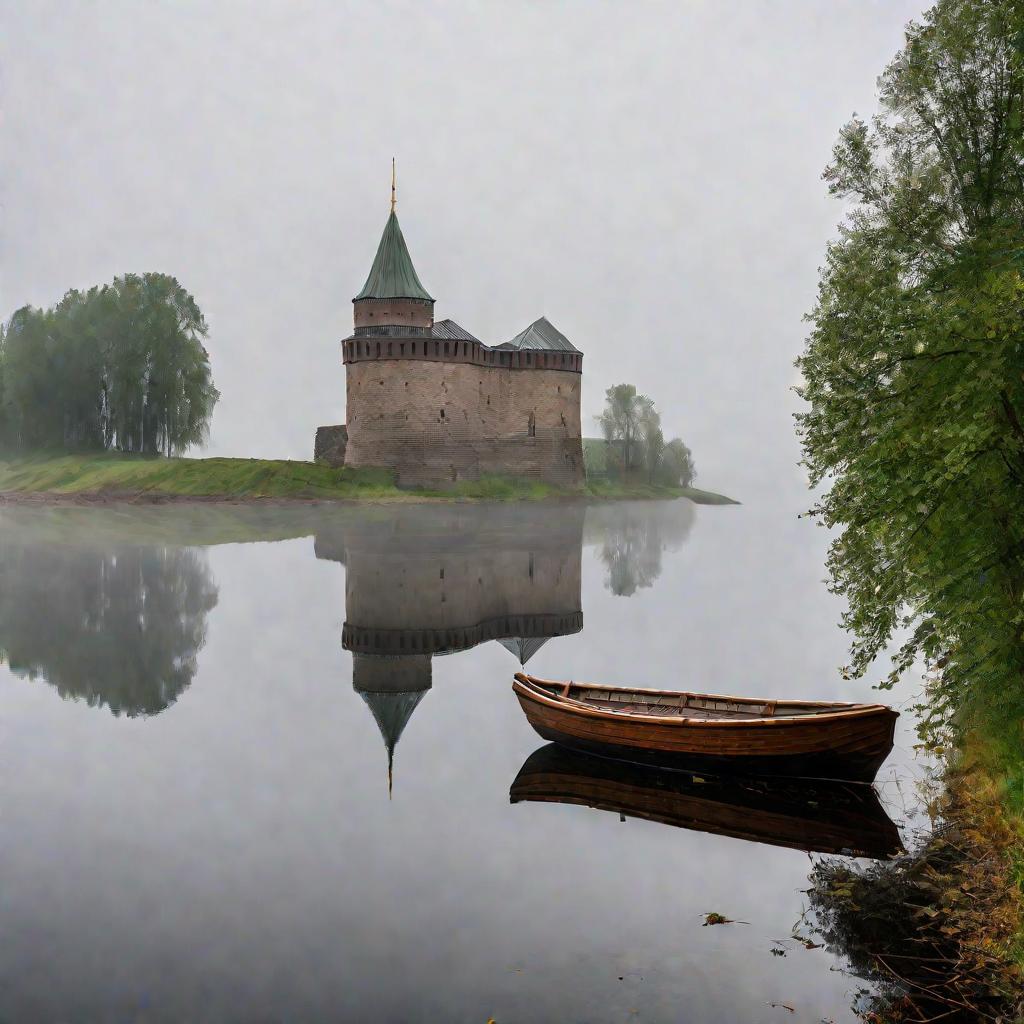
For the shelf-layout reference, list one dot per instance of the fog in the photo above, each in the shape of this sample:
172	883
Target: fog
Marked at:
646	175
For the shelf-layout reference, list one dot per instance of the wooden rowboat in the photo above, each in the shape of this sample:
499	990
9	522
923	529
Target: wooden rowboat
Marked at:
816	815
675	729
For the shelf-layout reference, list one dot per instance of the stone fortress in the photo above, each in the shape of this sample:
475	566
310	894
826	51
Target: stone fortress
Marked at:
431	402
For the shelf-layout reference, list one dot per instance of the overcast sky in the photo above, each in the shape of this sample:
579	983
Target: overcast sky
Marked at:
646	175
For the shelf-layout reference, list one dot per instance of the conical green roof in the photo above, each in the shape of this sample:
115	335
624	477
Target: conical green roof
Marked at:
392	275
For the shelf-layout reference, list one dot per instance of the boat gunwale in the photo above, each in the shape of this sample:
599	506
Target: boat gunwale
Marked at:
525	686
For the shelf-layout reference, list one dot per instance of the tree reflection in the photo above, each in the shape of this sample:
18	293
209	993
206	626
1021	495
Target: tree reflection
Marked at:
632	537
114	627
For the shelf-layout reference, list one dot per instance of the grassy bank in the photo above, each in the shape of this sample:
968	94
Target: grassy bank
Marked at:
936	931
940	931
134	478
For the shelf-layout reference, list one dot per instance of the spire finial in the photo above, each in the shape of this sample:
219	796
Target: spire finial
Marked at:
393	200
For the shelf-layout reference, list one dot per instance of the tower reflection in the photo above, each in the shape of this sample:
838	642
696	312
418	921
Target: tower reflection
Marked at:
424	581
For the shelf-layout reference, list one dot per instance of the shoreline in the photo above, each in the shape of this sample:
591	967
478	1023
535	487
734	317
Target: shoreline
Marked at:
102	479
96	499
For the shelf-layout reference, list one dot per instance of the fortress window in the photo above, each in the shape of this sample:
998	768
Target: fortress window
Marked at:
391	348
442	414
446	348
465	348
401	349
378	350
437	347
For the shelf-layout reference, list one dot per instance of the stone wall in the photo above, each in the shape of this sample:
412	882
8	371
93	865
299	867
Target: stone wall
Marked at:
369	313
329	446
436	422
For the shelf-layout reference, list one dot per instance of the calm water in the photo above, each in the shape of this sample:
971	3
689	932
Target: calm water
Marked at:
196	707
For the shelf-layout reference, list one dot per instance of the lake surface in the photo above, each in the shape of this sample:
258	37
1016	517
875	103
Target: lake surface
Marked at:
196	710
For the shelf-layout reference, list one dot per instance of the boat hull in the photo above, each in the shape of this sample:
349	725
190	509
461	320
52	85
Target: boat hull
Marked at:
848	747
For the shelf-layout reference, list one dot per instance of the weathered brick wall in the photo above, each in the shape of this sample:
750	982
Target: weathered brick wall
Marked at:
437	422
392	312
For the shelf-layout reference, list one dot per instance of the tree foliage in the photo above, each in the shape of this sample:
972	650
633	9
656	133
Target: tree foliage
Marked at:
120	366
914	368
631	426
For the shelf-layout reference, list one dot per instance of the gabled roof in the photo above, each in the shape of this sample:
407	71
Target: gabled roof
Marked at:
392	275
451	330
541	334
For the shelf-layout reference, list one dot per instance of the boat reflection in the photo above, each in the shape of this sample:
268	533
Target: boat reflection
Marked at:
801	814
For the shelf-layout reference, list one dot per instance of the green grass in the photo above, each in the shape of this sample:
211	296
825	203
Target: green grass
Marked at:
602	487
137	476
113	476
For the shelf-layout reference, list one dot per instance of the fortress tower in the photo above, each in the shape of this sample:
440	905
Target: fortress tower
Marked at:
435	404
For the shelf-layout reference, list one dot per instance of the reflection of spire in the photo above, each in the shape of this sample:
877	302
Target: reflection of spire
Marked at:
392	689
392	712
524	648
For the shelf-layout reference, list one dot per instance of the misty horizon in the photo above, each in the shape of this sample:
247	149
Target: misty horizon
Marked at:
672	236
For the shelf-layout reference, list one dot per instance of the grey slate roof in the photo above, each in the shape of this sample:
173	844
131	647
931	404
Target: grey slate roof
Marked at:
524	648
449	329
541	334
392	712
392	275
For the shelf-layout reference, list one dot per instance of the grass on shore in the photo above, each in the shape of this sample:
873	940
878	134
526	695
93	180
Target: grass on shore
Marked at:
113	476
